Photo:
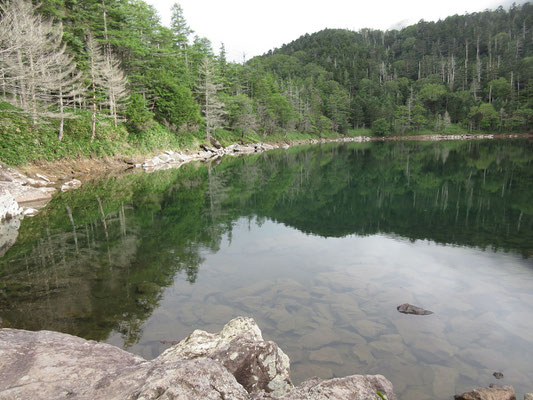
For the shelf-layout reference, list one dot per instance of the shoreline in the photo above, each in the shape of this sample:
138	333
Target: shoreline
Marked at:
33	185
90	168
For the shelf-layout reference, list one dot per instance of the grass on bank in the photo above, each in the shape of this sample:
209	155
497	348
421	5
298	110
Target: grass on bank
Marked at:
21	143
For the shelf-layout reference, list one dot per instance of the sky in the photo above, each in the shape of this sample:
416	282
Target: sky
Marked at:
249	27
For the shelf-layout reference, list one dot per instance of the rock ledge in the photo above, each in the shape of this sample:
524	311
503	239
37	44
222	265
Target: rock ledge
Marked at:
235	363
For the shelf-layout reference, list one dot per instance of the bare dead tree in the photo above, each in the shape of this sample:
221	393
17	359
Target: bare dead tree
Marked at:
113	79
106	77
96	61
212	106
37	72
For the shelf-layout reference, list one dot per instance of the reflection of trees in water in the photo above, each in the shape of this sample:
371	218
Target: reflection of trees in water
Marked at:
97	260
93	263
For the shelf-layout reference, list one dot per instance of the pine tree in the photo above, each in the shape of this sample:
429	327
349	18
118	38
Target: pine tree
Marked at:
179	26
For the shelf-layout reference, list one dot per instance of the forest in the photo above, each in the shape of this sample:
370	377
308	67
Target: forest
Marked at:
106	77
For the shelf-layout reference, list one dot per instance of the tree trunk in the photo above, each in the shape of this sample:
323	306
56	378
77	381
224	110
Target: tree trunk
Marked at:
61	114
93	134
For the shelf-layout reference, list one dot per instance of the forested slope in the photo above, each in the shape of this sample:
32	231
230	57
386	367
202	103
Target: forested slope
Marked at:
475	70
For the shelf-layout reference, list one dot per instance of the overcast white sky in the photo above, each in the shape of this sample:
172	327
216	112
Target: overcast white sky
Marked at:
254	27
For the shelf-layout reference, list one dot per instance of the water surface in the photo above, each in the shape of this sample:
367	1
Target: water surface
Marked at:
318	244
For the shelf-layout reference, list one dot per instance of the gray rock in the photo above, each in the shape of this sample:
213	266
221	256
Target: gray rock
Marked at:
215	143
204	155
43	177
9	231
70	185
50	365
30	212
410	309
493	392
5	177
208	148
23	193
355	387
235	363
8	205
164	158
149	163
257	365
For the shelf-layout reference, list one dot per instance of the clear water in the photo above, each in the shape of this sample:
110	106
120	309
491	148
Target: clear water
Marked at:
318	244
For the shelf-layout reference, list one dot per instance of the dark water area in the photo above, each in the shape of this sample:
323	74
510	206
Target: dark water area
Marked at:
319	244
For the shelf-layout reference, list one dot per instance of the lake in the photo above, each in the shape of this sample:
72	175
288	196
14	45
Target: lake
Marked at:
319	244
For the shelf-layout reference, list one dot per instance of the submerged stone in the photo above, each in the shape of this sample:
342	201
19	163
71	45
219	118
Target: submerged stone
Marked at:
410	309
327	354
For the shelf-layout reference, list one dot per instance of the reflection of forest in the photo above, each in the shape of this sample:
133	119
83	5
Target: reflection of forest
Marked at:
96	260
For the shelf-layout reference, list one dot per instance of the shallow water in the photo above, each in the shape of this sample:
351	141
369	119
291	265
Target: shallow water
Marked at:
319	244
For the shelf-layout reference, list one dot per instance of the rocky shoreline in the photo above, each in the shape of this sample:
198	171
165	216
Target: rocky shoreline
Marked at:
170	159
235	363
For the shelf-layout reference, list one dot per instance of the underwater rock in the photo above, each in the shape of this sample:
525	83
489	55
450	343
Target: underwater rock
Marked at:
498	375
410	309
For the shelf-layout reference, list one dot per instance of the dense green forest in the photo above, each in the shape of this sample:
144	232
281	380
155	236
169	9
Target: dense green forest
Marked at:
106	77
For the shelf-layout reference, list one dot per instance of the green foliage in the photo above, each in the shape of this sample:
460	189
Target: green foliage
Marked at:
174	103
500	89
484	117
380	127
433	95
137	114
381	395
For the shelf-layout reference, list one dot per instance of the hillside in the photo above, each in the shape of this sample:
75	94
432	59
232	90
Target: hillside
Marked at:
474	70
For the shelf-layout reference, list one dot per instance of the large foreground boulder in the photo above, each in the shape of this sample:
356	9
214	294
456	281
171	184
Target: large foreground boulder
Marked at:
235	363
257	365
